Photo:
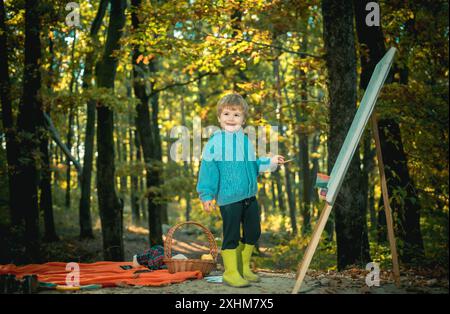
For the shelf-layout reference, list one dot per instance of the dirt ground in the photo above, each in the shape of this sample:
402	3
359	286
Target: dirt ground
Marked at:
272	284
351	281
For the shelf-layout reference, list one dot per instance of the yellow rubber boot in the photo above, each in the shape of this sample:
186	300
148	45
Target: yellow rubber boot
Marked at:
246	271
239	250
231	275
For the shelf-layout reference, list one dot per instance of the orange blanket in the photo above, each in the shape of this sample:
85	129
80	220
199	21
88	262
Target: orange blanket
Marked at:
107	274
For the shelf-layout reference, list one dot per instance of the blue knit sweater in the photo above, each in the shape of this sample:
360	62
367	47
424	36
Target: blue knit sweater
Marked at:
229	168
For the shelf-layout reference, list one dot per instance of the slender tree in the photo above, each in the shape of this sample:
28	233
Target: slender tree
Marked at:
157	167
301	115
134	156
8	121
351	225
85	202
30	107
146	136
287	173
186	163
394	157
46	197
111	210
70	132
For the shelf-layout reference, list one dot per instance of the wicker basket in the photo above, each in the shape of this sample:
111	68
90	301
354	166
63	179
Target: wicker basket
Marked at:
178	265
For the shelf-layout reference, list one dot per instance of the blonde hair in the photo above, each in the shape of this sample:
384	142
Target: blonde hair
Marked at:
232	100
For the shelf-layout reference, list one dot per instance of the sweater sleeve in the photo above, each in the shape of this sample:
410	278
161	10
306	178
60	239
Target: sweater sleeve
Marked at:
208	178
263	164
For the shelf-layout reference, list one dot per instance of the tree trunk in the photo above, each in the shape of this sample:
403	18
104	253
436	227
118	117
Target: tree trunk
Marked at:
371	205
406	211
163	205
287	173
142	205
46	200
274	196
69	147
78	128
276	174
305	178
111	210
85	199
55	155
157	172
381	223
304	159
121	157
291	200
135	208
8	122
186	164
291	183
147	139
70	122
315	168
30	110
280	199
350	218
303	147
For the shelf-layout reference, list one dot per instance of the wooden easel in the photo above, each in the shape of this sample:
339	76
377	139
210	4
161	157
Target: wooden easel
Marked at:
320	225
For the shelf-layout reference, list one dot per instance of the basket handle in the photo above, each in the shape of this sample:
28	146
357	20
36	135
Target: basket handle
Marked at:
169	236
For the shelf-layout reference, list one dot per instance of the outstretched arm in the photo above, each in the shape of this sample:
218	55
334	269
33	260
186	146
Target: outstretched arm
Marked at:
265	163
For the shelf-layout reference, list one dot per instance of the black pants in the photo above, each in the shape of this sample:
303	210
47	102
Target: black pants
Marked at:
246	212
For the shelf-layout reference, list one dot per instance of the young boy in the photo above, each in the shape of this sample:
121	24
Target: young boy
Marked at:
228	174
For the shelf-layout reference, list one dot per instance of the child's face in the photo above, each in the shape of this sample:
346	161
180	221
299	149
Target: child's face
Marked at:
231	119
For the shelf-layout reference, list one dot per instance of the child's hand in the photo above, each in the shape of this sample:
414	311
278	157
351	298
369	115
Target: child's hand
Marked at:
208	206
277	159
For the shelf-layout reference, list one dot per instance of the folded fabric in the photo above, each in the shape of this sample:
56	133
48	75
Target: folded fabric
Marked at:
107	274
152	258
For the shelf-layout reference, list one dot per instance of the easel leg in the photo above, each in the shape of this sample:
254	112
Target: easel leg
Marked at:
312	246
387	206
